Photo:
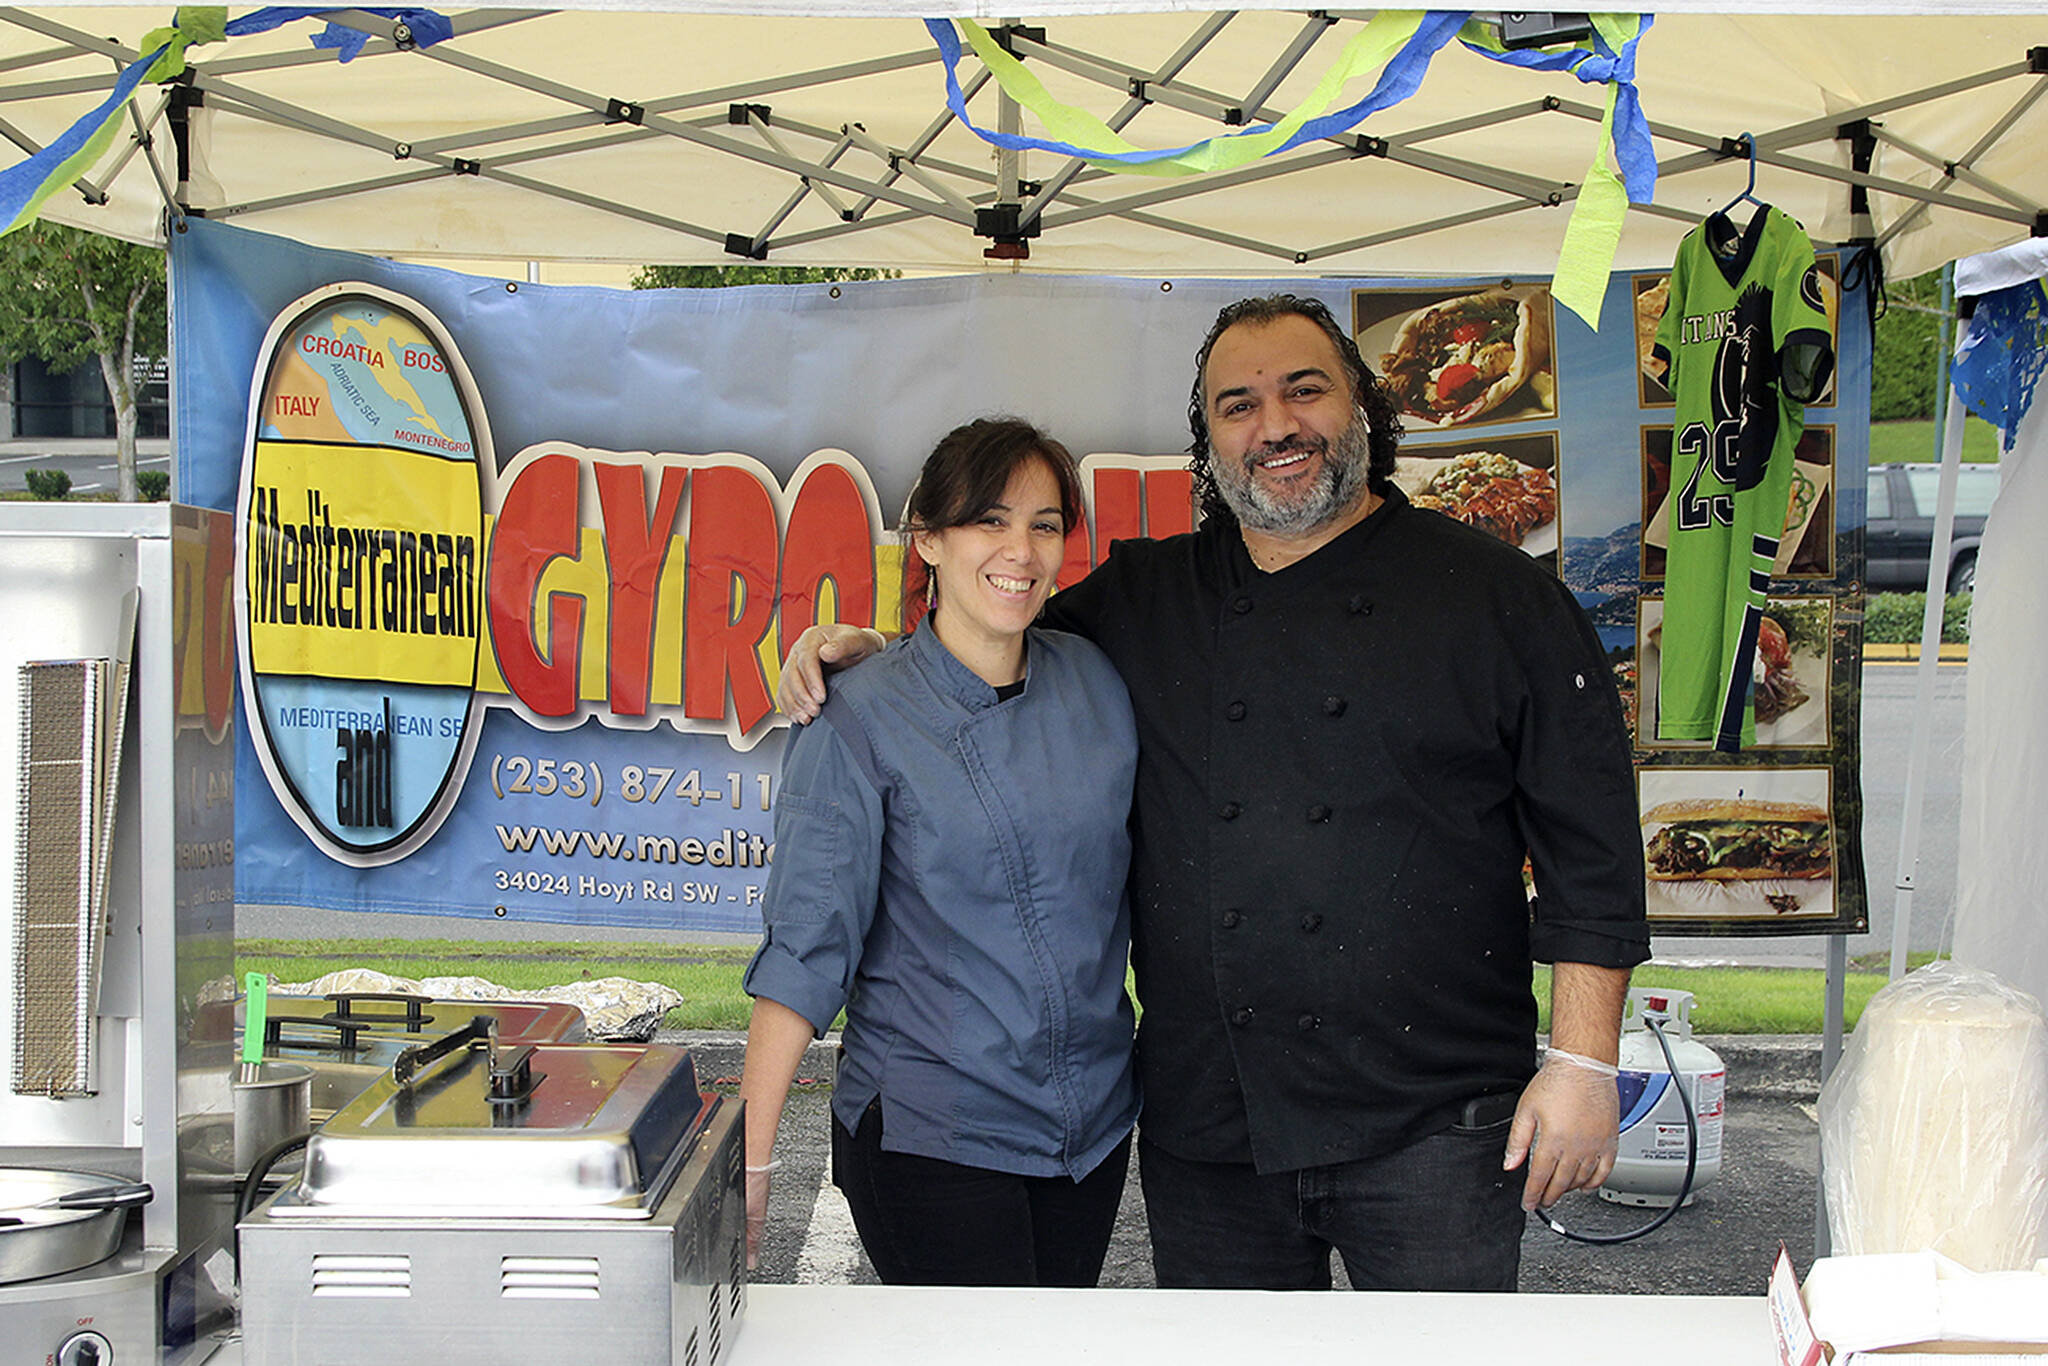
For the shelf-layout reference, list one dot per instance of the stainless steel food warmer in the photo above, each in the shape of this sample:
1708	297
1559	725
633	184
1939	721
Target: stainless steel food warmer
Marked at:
500	1205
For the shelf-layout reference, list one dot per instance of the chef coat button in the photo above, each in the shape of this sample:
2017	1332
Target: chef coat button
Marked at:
1312	922
1229	811
1360	607
1318	813
1334	706
1309	1022
1231	919
1241	1017
1241	605
1235	711
1579	681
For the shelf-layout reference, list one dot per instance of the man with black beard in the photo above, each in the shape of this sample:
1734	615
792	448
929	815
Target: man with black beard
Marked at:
1358	722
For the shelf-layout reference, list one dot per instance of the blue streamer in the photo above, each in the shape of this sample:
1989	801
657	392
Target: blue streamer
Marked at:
20	182
1401	77
428	28
1633	153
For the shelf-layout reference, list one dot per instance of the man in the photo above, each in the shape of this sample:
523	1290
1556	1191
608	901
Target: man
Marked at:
1355	718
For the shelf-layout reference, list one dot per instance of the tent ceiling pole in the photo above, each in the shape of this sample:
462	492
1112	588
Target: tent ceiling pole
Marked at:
1204	34
1536	191
142	143
591	201
1456	220
1182	189
767	157
1008	160
824	192
23	60
746	93
911	169
924	140
1983	144
1213	106
1114	76
474	21
1816	130
292	201
92	192
1290	57
1930	195
1952	170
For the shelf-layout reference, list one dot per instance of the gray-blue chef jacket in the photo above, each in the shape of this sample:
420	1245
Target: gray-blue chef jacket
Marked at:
951	868
1342	766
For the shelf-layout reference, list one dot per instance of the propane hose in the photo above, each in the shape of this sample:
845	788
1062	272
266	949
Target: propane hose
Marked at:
1692	1153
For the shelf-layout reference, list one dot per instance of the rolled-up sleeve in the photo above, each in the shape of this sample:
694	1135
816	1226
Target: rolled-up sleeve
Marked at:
820	901
1576	803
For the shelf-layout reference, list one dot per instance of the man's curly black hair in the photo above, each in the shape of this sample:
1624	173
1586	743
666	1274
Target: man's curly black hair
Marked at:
1366	391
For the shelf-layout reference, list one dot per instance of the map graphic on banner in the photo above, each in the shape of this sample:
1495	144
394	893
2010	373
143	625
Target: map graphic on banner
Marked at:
517	563
360	573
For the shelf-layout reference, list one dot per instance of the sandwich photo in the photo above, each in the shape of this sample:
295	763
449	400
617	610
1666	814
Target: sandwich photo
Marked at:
1734	839
1461	358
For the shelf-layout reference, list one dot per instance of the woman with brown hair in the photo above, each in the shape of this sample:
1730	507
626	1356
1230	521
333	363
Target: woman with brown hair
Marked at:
951	847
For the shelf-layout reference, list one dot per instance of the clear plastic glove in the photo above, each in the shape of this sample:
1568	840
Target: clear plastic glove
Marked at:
1565	1127
801	691
757	1209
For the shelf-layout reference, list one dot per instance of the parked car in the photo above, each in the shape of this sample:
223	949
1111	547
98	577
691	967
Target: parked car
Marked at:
1900	533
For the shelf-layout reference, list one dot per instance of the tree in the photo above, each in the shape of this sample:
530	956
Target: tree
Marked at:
66	296
717	277
1905	349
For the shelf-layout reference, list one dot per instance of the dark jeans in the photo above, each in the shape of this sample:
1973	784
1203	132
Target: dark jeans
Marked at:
1439	1214
924	1221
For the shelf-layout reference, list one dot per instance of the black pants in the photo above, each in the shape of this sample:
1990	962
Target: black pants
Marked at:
924	1221
1439	1214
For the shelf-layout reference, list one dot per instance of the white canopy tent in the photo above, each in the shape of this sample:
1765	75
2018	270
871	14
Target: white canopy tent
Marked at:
817	132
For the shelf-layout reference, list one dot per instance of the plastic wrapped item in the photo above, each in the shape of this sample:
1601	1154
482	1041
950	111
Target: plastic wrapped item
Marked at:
1934	1128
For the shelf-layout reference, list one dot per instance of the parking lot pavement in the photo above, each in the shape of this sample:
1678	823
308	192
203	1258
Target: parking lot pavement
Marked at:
1721	1244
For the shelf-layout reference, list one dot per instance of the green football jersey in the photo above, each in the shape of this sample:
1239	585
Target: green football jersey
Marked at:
1739	338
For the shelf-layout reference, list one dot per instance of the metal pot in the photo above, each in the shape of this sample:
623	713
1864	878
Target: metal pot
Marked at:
277	1105
39	1236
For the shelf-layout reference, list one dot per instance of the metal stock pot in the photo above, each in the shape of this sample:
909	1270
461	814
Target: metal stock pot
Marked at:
55	1221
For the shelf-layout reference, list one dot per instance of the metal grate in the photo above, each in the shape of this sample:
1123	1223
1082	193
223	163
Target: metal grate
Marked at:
59	847
548	1278
353	1276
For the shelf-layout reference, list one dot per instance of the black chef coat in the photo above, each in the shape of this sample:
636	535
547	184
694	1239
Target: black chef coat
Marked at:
1341	767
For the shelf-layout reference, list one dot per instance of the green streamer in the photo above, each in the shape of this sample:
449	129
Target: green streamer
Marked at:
1367	50
1586	256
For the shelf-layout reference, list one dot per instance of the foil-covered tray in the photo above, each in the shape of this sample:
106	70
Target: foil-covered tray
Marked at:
589	1131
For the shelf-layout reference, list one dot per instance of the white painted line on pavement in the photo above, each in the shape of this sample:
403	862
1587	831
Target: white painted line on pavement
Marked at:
831	1254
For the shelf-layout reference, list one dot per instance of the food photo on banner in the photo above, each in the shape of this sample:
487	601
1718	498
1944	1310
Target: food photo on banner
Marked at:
517	563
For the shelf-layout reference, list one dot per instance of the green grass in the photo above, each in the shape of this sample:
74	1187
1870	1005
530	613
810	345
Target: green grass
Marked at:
1727	1000
1891	442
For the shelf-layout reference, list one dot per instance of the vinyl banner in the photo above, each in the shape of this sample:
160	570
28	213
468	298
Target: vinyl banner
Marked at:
518	563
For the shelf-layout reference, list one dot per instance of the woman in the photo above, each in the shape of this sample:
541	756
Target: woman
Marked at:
950	857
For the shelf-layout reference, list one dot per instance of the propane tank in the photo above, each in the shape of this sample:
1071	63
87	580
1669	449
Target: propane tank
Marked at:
1649	1165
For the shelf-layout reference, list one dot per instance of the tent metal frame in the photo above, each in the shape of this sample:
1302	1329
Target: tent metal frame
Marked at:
867	186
